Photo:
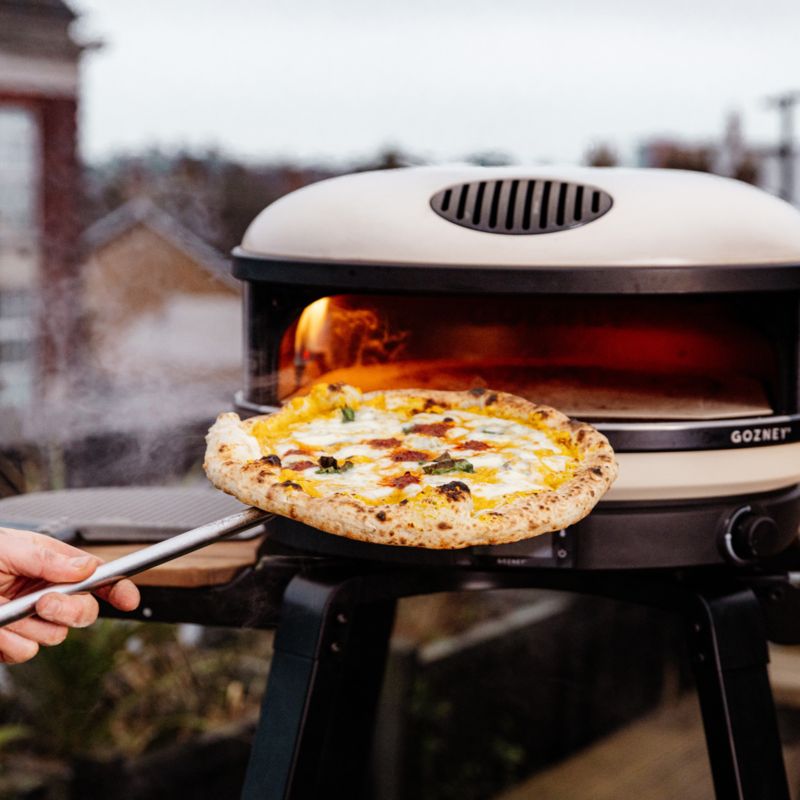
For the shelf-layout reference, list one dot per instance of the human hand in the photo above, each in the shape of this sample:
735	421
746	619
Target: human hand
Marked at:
27	560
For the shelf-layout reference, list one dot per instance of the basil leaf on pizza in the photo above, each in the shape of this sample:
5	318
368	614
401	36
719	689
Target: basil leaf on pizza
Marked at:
446	463
420	468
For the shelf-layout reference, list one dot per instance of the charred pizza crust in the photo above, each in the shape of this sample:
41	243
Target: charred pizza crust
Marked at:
440	519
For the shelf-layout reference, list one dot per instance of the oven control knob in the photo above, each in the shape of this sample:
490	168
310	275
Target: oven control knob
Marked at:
752	534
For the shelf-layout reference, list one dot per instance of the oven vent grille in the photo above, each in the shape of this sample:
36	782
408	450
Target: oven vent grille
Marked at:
521	206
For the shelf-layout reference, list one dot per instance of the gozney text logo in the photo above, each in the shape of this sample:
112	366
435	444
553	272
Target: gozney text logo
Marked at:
760	435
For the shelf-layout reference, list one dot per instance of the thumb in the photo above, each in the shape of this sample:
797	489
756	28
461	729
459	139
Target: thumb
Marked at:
35	559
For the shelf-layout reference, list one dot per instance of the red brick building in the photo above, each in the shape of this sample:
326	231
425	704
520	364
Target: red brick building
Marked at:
39	191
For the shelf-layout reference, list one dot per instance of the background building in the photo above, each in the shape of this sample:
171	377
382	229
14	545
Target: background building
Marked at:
160	306
39	191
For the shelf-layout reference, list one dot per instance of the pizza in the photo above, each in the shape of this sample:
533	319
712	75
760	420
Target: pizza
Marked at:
420	468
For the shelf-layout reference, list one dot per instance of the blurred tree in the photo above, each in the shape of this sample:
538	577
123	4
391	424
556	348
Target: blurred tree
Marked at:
490	158
213	196
748	170
698	159
390	157
672	154
601	155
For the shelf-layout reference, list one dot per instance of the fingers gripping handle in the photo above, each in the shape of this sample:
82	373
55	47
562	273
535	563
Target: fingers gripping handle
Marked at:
138	561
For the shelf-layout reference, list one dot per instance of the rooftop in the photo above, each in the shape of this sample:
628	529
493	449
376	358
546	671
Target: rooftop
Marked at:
37	28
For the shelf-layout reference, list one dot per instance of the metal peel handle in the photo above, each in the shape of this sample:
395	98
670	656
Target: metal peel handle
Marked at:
138	561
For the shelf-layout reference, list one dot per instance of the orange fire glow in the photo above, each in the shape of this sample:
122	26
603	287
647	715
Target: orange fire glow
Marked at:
311	334
331	334
619	359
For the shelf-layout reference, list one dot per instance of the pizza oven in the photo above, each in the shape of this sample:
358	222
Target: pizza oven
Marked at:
661	306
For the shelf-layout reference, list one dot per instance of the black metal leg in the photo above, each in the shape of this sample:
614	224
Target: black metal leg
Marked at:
318	711
729	654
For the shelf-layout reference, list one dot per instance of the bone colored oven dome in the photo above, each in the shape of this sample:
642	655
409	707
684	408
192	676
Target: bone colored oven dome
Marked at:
657	218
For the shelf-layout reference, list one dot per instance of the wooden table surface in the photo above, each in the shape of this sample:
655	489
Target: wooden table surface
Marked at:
214	565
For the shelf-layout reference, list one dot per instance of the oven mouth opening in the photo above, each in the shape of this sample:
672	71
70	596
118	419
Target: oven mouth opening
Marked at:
623	358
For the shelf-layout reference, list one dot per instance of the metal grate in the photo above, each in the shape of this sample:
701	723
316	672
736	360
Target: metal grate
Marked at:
521	206
135	514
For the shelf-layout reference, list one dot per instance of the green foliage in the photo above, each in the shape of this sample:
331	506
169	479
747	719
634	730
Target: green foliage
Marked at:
62	693
119	689
10	734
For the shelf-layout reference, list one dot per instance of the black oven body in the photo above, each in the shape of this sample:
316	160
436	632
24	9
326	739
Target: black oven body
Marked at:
743	531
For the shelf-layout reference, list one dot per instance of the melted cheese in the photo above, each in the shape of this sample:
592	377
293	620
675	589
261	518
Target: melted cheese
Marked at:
521	457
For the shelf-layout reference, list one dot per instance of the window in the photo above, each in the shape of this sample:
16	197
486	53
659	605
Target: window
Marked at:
18	171
19	251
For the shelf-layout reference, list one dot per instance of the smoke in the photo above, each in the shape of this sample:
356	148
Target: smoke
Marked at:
131	404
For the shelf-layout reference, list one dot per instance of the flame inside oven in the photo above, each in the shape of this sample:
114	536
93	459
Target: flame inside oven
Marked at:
332	334
311	336
606	358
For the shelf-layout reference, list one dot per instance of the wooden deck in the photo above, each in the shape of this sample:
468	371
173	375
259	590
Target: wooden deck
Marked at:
661	757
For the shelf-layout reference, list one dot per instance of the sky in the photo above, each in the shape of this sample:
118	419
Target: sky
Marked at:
316	81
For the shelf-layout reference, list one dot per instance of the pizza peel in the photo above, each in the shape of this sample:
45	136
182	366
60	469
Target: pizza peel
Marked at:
137	562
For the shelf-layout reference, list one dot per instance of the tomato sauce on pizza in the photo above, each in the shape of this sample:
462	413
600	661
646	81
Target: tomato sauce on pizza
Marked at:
428	461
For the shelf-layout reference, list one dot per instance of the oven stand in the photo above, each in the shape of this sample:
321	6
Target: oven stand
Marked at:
330	650
728	648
